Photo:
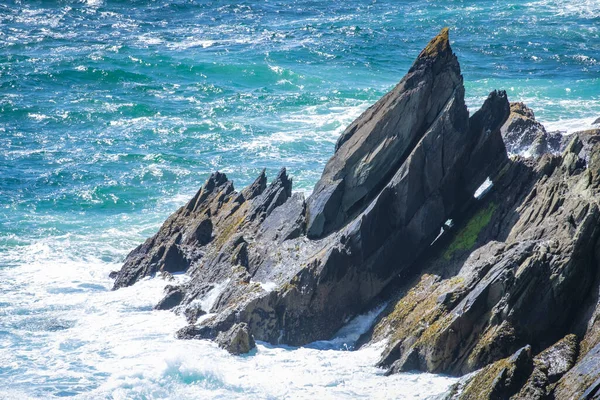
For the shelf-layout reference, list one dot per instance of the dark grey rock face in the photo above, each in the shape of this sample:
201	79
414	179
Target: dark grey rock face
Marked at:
508	290
373	147
404	167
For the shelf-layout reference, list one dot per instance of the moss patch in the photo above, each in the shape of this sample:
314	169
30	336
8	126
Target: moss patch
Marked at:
489	344
418	313
231	225
466	238
438	44
403	319
484	383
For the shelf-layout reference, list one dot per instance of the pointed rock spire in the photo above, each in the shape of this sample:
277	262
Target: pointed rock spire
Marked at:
376	144
438	47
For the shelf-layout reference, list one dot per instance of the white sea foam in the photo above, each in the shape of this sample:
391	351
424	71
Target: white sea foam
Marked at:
191	42
570	125
211	297
94	3
587	9
71	335
38	116
312	123
276	69
268	286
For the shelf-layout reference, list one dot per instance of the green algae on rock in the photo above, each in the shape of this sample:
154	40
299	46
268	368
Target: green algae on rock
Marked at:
466	238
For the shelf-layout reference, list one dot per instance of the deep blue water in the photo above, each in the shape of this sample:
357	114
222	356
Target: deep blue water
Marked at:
112	113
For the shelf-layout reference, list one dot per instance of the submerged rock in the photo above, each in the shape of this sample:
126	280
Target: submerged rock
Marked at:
173	297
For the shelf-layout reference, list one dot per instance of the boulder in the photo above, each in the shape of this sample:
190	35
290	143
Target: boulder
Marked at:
236	340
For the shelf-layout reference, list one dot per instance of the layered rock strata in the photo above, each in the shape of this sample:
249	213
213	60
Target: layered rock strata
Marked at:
402	169
498	286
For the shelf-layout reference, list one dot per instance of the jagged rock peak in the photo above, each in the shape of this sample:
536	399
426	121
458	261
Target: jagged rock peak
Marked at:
378	142
438	48
521	109
256	188
215	180
273	196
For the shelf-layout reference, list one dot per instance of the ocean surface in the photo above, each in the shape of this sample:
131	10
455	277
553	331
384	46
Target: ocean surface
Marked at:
113	113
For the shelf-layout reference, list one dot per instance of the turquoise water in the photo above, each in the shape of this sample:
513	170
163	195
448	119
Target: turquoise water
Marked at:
112	113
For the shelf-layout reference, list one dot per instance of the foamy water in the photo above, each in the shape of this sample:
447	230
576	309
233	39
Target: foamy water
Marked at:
70	335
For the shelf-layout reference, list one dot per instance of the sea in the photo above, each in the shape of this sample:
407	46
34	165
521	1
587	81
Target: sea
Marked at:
113	113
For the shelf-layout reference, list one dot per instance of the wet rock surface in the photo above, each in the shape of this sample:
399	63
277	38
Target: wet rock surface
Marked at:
524	135
502	288
237	340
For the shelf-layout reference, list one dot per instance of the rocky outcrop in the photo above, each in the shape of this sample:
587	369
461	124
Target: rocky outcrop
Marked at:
524	135
295	271
549	242
502	286
496	283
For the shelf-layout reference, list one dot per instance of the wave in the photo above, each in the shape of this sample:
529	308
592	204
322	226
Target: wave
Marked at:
585	9
68	334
